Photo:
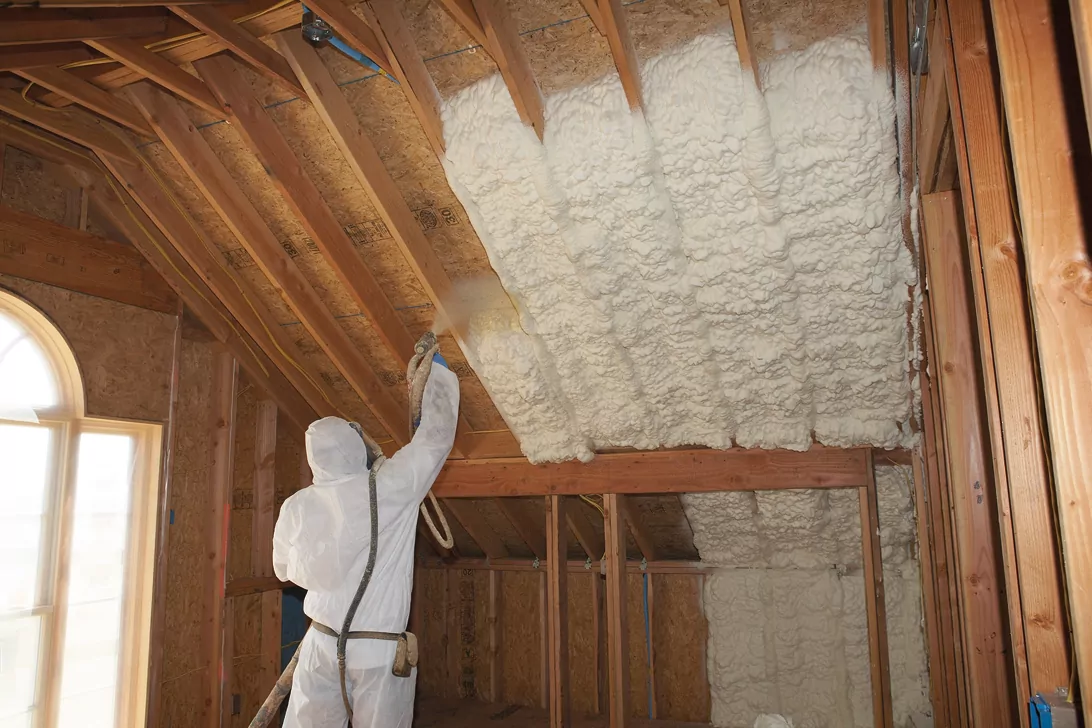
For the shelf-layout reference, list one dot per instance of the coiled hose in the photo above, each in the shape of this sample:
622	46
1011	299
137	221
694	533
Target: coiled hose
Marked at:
417	374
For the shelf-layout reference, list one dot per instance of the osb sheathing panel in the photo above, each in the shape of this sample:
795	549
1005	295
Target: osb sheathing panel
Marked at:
663	519
781	26
501	526
242	482
124	352
679	634
582	653
184	663
431	603
248	680
289	458
29	186
521	637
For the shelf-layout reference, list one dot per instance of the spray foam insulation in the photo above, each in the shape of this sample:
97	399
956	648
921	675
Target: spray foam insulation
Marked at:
728	266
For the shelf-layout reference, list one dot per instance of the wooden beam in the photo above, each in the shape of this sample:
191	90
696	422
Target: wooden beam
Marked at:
59	30
1037	611
529	530
877	33
352	29
74	125
344	126
466	15
265	513
615	28
475	524
589	539
875	606
617	622
741	32
594	14
244	585
938	686
669	471
493	620
407	66
214	181
1082	35
40	250
974	505
1046	156
557	552
235	294
220	468
158	69
640	534
544	643
934	116
270	639
599	650
575	566
226	668
258	55
15	58
89	96
507	50
48	146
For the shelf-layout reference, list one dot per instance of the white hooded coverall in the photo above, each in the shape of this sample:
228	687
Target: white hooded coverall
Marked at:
321	544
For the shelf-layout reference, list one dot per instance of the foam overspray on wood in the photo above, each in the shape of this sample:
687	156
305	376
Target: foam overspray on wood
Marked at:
726	265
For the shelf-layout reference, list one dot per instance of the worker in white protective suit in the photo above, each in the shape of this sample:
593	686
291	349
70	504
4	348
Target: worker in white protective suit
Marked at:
321	543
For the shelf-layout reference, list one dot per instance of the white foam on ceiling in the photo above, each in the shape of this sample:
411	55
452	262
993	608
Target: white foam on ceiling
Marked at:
727	265
785	602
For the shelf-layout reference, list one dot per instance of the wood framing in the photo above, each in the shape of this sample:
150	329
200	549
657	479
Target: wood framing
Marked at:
740	29
876	609
89	96
667	471
265	513
1025	500
73	125
613	25
938	688
1082	34
1046	158
465	14
557	549
258	55
342	123
588	537
210	176
220	468
496	656
614	522
467	514
59	28
352	29
974	505
532	532
161	71
503	44
877	33
40	250
640	534
15	58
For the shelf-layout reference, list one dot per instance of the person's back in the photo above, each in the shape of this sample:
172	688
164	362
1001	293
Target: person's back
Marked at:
322	542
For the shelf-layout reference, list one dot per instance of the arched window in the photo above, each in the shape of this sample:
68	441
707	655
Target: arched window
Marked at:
76	539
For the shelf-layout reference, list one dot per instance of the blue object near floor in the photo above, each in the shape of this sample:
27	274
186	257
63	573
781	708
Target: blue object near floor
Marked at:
1040	712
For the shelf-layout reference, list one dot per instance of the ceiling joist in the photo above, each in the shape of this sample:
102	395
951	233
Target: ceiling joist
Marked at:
89	96
51	29
158	69
12	58
70	124
613	25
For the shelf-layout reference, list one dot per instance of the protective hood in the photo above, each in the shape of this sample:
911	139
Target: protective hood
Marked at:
335	451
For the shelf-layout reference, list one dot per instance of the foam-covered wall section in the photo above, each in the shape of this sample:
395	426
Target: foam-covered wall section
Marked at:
726	266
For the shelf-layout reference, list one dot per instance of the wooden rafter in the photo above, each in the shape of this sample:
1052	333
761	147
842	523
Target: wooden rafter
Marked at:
407	66
475	524
1049	172
677	471
613	25
741	32
876	611
591	7
89	96
588	537
531	531
466	15
41	250
82	129
641	535
352	29
258	55
1034	586
222	192
58	28
158	69
14	57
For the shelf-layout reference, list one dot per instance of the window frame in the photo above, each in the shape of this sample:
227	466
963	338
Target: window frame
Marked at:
68	422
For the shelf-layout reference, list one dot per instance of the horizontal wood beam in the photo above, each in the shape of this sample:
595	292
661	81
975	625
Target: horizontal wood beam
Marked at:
44	251
89	96
114	3
71	124
244	585
12	58
156	68
54	30
632	567
261	57
671	471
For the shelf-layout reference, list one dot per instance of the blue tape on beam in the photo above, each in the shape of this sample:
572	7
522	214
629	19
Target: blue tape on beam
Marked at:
172	517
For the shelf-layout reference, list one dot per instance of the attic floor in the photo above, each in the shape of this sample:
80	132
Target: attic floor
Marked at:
434	712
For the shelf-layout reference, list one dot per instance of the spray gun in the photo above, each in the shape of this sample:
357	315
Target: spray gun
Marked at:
426	343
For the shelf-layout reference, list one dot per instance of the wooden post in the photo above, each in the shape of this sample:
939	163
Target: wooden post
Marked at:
992	702
598	653
938	688
451	639
1046	154
617	623
650	645
544	642
557	533
874	601
227	670
496	658
221	456
265	517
